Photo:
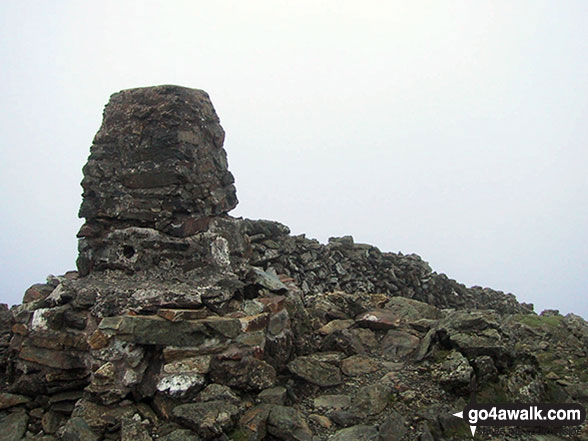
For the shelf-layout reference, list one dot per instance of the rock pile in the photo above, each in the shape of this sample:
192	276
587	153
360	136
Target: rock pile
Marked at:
183	323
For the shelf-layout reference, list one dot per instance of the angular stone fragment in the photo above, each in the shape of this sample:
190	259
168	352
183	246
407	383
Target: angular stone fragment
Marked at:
13	426
274	395
316	372
38	291
393	428
266	280
181	386
456	373
335	325
287	424
77	429
207	419
99	417
253	423
54	359
371	400
399	344
218	392
10	400
243	372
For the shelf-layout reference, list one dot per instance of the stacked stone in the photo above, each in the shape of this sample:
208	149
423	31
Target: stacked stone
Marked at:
184	323
350	267
157	172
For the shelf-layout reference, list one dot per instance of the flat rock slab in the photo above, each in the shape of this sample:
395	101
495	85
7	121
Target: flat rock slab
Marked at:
287	424
13	426
10	400
315	371
155	330
332	402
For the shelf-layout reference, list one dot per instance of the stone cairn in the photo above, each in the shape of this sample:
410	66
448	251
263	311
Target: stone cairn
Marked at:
184	323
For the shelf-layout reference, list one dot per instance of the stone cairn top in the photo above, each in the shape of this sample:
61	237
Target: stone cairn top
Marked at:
157	159
157	162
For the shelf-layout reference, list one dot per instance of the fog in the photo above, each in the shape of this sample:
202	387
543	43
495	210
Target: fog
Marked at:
456	130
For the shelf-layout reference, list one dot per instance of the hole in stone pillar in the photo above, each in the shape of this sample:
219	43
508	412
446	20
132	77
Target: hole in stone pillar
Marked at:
128	251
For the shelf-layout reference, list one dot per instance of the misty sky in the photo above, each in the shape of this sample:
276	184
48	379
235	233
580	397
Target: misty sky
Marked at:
456	130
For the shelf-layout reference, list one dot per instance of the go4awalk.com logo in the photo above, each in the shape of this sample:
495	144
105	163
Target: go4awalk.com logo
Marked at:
535	415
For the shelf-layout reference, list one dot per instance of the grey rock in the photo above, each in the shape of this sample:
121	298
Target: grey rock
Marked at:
274	395
315	371
456	373
287	424
133	430
14	426
393	428
207	419
372	399
77	429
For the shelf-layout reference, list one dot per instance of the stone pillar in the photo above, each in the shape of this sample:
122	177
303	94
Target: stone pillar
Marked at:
157	173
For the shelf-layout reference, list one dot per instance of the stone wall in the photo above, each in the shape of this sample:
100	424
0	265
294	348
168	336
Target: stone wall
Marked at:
344	265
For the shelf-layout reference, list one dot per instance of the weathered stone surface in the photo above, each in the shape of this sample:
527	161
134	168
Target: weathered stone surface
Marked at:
38	291
181	386
336	325
379	319
393	428
207	419
399	344
372	399
77	429
244	372
51	421
51	358
154	330
332	402
133	430
456	373
13	426
253	423
287	424
274	395
157	162
218	392
359	365
315	371
99	417
9	400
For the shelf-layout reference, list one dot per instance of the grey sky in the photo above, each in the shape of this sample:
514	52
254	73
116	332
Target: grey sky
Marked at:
456	130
